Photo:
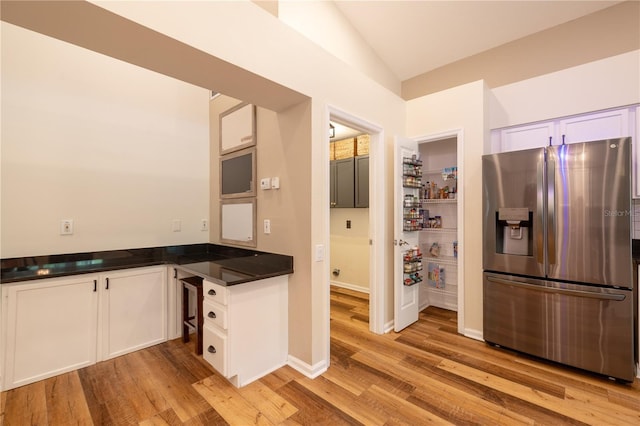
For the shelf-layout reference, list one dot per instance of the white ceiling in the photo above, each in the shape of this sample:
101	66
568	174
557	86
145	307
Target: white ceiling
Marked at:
413	37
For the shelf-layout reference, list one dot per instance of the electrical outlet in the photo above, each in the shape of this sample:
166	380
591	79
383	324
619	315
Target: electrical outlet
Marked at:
176	225
204	225
66	227
267	226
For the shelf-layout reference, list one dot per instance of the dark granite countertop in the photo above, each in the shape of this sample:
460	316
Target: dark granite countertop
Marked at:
222	264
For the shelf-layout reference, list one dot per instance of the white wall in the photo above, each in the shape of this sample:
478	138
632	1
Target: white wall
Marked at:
324	24
119	149
607	83
461	107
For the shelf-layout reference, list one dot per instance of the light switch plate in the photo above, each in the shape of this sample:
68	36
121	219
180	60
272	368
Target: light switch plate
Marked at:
275	183
265	183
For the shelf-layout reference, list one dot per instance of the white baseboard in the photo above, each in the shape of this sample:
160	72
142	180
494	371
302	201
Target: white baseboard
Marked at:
474	334
311	371
388	327
350	286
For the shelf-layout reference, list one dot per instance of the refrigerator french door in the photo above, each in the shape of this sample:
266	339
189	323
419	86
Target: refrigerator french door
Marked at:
558	280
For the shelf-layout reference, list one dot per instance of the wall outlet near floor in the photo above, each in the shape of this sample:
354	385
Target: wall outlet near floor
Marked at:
204	225
267	226
66	227
176	225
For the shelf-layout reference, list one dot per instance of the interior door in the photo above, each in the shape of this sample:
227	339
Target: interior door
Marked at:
407	223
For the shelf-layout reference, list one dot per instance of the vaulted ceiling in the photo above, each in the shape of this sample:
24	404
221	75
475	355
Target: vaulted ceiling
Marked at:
414	37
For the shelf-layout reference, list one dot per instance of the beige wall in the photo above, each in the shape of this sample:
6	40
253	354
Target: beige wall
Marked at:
119	149
610	32
605	83
281	152
350	248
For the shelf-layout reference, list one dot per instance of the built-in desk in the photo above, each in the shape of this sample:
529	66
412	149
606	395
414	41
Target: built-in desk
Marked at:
223	265
83	308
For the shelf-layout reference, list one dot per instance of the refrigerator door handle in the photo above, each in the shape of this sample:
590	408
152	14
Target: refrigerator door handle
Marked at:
539	233
551	211
575	293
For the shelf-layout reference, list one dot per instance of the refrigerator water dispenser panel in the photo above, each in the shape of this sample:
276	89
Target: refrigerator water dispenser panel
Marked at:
512	231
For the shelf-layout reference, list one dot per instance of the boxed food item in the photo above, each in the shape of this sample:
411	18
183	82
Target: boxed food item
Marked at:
345	148
362	144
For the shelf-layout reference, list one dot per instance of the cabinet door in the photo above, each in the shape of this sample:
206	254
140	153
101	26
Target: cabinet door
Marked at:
593	127
133	310
332	184
362	181
51	328
636	153
525	137
345	189
342	183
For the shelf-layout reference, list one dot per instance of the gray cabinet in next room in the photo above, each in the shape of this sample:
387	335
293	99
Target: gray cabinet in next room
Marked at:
350	182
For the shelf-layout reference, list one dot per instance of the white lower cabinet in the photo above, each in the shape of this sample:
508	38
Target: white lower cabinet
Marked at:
245	333
133	305
57	325
51	328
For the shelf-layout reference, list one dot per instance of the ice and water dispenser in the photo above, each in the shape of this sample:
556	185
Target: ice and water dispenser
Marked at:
514	231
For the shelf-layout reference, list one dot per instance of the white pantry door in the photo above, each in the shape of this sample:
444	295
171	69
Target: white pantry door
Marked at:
406	172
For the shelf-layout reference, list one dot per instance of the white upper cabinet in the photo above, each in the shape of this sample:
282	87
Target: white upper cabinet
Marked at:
518	138
609	124
594	126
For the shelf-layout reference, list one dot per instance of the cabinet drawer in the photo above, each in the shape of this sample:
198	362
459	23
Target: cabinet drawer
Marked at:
215	292
215	348
214	314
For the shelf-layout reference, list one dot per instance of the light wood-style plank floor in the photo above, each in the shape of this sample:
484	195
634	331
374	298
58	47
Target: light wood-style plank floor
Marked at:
426	374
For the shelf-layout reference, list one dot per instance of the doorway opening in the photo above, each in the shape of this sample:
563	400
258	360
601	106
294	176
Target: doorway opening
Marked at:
349	208
360	227
443	226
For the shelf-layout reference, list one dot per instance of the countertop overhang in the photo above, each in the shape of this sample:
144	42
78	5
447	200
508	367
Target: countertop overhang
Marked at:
223	265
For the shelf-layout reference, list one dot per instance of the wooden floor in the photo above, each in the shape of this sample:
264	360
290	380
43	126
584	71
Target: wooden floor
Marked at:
425	374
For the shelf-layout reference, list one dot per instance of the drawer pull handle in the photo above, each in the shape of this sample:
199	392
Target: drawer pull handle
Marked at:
211	349
211	314
212	292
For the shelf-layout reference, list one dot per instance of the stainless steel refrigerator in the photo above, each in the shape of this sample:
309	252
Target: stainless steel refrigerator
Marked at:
558	275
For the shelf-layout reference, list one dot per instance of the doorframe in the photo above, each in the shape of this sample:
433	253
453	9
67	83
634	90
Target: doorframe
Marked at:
459	135
377	217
